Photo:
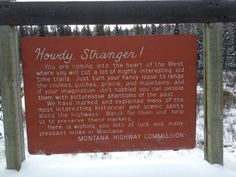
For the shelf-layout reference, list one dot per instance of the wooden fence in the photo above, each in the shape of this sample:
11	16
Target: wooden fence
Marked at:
210	12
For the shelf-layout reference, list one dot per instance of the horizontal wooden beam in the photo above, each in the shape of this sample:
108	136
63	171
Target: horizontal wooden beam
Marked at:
118	12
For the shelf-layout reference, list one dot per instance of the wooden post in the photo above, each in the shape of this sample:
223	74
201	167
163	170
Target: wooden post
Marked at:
213	72
10	90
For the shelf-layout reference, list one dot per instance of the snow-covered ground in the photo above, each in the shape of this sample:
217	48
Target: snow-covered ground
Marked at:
182	163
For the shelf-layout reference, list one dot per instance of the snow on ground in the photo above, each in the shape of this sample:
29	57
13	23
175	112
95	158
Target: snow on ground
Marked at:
183	163
230	128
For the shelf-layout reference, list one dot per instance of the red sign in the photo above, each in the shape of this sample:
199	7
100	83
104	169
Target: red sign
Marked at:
92	94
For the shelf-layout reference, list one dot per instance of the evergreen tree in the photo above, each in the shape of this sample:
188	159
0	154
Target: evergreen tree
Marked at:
138	29
99	30
83	30
228	41
61	30
41	30
76	31
168	29
147	30
126	32
23	31
199	34
153	29
67	30
107	31
33	30
117	31
233	62
160	29
64	30
176	29
86	31
53	30
89	32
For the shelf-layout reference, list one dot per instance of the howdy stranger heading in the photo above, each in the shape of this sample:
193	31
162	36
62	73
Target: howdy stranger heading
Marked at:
42	54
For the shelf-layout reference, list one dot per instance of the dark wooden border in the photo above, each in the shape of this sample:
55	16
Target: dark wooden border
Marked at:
126	12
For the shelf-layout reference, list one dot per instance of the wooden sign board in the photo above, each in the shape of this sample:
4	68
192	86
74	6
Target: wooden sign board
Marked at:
103	94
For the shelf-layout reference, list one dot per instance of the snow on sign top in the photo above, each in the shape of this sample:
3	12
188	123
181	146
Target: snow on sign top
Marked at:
99	94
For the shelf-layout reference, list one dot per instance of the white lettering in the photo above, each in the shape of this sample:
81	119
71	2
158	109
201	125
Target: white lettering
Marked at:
43	55
92	54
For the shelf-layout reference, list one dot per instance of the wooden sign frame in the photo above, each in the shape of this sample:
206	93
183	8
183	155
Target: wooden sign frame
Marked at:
14	139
